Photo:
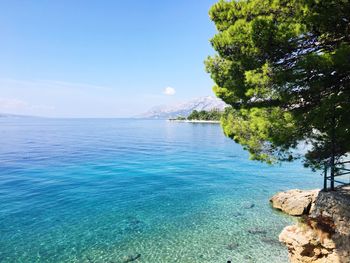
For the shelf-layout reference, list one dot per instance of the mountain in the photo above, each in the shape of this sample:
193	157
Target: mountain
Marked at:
184	109
15	116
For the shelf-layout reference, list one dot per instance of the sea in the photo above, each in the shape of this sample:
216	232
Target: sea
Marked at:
133	190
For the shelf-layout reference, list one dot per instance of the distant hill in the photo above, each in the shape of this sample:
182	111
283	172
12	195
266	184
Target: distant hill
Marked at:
16	116
184	109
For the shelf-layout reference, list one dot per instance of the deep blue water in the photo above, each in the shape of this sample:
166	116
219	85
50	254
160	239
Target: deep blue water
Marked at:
102	190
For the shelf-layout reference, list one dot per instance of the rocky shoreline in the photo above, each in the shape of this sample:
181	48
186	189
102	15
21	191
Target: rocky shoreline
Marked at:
322	234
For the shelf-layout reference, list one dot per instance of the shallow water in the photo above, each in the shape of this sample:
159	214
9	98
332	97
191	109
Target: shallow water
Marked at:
109	190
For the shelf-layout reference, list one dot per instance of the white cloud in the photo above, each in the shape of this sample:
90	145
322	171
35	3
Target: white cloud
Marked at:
169	91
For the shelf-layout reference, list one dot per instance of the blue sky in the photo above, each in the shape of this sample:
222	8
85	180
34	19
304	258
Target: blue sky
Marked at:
102	58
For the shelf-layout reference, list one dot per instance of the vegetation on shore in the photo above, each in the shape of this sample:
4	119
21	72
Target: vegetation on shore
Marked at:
284	68
212	115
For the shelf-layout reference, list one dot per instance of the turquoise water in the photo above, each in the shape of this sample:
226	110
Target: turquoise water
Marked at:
109	190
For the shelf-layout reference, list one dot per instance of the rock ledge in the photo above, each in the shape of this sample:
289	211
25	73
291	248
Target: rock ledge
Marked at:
323	233
294	202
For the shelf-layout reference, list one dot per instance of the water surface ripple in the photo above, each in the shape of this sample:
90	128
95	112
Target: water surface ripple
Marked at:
106	190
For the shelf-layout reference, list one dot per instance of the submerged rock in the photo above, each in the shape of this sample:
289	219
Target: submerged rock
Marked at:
131	258
133	225
257	231
232	246
237	214
271	241
248	205
294	202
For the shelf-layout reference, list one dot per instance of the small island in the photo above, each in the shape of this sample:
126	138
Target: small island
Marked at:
212	116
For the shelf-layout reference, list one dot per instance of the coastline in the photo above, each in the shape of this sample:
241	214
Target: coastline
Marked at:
322	232
196	121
